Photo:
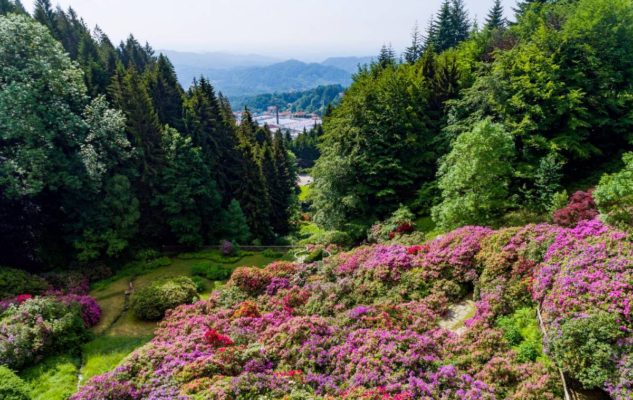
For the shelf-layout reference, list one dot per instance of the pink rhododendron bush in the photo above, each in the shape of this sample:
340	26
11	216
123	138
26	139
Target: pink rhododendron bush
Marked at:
366	324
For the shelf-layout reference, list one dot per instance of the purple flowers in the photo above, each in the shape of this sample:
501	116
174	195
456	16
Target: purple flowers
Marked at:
364	324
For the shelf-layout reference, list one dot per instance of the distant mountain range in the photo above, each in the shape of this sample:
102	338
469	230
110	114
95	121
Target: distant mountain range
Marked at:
310	101
248	75
349	64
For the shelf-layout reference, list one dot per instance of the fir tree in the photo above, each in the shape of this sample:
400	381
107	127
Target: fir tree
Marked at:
166	93
252	192
495	19
387	57
431	33
11	6
133	53
414	51
44	14
444	37
524	5
460	22
235	225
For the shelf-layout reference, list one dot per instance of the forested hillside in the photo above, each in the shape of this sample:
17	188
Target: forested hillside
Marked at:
310	101
103	153
515	113
467	236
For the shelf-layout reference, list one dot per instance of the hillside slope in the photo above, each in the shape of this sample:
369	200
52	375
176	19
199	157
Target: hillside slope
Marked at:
364	324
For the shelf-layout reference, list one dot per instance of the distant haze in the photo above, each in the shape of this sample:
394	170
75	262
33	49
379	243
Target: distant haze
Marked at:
310	30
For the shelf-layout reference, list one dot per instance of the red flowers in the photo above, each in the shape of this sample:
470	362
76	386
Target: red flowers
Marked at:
215	339
415	250
581	207
23	297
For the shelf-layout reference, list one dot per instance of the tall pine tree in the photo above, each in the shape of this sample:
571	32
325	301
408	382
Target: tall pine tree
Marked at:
495	19
166	93
414	51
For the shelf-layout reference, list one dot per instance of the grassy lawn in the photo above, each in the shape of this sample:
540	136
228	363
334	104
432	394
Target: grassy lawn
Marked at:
55	378
119	332
106	352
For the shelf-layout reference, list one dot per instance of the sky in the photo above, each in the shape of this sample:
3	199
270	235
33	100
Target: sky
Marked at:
304	29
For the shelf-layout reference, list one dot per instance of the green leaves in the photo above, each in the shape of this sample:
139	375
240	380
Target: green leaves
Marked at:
474	177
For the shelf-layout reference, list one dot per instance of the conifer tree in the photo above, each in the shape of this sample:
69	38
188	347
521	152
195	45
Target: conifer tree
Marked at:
524	5
133	53
44	14
460	22
130	94
11	6
252	192
444	34
234	225
431	33
495	19
286	181
166	93
414	51
387	57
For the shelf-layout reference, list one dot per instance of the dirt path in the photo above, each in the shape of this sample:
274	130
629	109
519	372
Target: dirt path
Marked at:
457	315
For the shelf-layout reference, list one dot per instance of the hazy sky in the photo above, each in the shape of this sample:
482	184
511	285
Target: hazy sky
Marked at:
304	29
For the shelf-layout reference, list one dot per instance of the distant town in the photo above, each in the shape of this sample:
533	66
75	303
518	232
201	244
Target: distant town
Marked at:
287	121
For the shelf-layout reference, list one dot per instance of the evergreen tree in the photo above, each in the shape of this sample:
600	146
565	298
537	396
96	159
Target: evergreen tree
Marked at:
495	19
130	94
524	5
252	193
44	14
234	225
459	21
444	34
387	57
11	6
186	195
414	51
431	33
286	185
167	95
132	53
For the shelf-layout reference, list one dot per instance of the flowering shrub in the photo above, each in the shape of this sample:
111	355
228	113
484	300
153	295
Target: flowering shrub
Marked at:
581	207
364	324
38	327
215	339
90	310
227	248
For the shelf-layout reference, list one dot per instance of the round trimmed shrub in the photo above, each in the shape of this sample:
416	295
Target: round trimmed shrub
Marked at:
11	386
151	302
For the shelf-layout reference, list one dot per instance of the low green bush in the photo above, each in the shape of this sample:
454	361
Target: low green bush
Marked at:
614	196
199	282
14	282
521	331
585	348
151	302
212	271
11	386
270	253
315	255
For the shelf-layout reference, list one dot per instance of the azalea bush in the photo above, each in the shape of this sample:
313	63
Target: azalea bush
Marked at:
37	327
366	324
581	207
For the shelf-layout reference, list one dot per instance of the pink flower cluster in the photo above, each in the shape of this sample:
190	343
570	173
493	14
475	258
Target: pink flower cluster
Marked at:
364	324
